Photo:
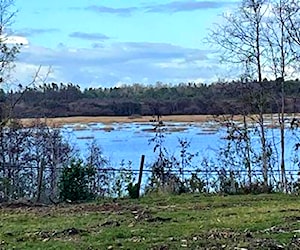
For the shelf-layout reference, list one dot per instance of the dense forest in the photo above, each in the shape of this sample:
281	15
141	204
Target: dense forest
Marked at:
57	100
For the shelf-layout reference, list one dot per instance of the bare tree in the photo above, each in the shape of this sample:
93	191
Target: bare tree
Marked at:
240	39
291	9
263	36
8	51
283	57
48	154
21	149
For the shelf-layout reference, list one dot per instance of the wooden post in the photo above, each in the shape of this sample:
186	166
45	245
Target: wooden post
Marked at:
140	175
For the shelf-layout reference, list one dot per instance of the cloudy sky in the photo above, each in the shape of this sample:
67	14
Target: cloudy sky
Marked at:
108	43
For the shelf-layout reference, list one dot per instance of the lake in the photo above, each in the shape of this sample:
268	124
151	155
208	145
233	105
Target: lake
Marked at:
128	141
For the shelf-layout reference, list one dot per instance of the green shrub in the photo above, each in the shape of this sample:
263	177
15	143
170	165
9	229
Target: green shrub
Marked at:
196	184
74	182
133	190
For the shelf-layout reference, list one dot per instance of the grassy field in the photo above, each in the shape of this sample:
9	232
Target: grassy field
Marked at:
156	222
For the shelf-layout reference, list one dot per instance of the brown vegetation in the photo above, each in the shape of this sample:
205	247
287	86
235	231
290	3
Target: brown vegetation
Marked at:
60	121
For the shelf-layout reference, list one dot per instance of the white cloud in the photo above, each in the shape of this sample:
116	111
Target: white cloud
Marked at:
26	73
118	63
15	40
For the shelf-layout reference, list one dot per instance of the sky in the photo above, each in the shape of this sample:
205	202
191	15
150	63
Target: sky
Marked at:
107	43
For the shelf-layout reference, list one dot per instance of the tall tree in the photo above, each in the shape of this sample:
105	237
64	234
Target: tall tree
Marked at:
240	39
291	9
283	59
8	51
263	36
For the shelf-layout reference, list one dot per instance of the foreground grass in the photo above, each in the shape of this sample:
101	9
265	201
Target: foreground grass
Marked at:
157	222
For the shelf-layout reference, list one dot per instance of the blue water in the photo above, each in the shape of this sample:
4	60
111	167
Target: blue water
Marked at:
128	141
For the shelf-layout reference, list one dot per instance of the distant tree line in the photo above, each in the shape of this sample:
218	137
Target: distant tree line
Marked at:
59	100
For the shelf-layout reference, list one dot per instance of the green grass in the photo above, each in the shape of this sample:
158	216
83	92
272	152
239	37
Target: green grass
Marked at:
157	222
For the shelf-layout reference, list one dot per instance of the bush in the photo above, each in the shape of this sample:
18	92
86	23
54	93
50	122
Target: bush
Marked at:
133	190
256	188
74	182
196	184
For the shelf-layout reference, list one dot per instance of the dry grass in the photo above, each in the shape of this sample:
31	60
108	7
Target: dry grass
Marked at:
59	121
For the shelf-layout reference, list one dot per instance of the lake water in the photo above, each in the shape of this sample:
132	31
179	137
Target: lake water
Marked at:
128	141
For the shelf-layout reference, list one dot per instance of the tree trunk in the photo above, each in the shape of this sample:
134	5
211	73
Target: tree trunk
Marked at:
40	181
282	140
247	153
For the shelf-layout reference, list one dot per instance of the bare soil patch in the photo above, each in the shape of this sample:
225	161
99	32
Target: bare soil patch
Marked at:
61	209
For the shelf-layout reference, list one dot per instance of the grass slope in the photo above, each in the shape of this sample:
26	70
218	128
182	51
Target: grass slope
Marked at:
156	222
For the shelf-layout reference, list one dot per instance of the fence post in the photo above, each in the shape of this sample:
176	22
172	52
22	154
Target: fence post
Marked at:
140	175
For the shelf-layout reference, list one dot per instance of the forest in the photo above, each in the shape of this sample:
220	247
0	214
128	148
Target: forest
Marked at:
236	97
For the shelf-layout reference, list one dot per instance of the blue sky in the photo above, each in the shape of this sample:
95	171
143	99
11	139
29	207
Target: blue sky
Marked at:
104	43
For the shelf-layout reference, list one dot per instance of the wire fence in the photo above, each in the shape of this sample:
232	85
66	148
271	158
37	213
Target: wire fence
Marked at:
113	181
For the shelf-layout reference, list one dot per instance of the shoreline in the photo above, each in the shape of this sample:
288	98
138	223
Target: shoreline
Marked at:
60	121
